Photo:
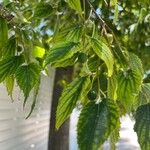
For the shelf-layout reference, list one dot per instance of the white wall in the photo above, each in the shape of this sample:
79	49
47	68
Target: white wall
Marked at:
16	133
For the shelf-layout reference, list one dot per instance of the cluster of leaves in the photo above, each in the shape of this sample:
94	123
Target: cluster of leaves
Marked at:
84	34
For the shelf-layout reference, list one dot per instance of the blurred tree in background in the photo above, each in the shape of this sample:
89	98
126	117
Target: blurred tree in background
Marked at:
107	43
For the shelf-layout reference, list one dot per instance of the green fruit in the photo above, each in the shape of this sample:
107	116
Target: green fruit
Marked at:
92	95
82	57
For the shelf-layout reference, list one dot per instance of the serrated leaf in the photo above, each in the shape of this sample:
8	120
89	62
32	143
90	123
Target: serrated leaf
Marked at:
96	122
9	66
71	33
142	126
3	32
43	10
10	48
144	95
35	94
114	137
73	92
61	52
10	85
68	62
27	76
104	53
75	4
130	81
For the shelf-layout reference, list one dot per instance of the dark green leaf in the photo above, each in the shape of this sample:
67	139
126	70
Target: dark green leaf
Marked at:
27	77
10	48
43	10
3	32
61	52
68	62
93	63
142	126
35	94
75	91
96	122
9	66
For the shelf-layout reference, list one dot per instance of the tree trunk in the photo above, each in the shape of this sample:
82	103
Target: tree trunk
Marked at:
59	140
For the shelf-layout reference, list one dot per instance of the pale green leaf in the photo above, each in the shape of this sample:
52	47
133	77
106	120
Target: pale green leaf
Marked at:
9	66
112	87
75	4
10	85
142	126
27	77
75	91
104	53
96	122
115	4
61	52
38	52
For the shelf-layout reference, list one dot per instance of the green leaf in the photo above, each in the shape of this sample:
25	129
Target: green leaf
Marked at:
73	92
3	32
9	66
130	81
70	33
112	87
96	122
27	77
10	48
10	85
75	4
103	52
61	52
144	95
35	94
142	126
27	44
114	138
38	52
75	34
43	10
93	63
115	3
68	62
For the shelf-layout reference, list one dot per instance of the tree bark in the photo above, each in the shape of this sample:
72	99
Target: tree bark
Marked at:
59	140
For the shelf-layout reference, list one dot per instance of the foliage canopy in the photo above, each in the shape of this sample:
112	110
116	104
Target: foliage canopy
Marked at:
107	41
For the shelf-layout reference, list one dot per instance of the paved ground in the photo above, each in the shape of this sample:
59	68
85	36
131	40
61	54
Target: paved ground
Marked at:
128	138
